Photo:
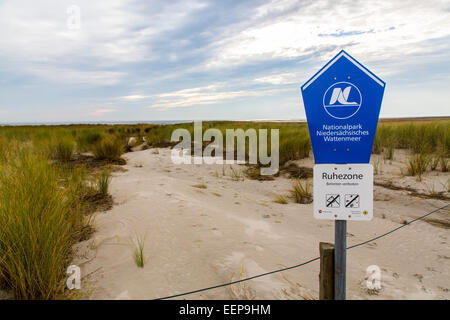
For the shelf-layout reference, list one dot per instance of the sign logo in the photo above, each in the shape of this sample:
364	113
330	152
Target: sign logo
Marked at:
342	100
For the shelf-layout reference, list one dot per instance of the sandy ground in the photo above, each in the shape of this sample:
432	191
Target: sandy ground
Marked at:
196	238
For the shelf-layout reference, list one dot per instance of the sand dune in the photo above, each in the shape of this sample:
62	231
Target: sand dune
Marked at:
198	237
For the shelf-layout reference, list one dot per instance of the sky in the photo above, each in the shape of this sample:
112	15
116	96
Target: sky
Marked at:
128	60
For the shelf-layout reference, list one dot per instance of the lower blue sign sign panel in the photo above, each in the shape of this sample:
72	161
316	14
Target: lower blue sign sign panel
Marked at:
343	192
342	104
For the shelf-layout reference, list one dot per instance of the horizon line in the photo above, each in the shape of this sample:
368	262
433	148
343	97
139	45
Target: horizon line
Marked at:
136	122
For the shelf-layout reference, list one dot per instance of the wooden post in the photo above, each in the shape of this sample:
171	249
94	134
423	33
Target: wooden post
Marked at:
326	276
340	243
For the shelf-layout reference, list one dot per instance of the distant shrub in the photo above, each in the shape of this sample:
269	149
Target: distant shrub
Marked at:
108	149
420	137
160	135
294	148
62	148
86	139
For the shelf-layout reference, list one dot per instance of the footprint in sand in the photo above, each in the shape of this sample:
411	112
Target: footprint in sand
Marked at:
123	296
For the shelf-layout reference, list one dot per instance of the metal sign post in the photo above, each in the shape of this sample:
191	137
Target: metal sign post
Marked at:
342	104
340	258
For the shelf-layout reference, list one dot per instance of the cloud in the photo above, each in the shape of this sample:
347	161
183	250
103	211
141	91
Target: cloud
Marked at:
101	112
208	95
280	78
289	30
163	58
71	76
133	97
113	33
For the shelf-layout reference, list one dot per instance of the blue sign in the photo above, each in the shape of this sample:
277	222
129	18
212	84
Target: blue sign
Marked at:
342	104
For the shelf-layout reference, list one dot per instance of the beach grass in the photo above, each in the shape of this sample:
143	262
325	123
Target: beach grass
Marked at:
139	258
43	188
87	138
62	148
39	215
417	164
200	186
236	174
301	192
281	199
103	180
108	149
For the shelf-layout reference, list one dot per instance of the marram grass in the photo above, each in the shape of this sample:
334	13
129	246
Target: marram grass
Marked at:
108	149
138	253
38	217
302	191
103	180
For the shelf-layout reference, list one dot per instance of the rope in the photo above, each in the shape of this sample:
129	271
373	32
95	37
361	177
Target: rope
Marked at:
303	263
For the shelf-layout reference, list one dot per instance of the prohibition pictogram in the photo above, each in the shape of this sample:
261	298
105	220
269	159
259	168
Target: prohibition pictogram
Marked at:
352	200
333	200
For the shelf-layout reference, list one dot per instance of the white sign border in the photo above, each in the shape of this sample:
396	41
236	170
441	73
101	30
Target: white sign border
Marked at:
337	210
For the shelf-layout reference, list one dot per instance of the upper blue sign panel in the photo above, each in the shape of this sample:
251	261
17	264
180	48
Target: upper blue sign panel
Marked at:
342	103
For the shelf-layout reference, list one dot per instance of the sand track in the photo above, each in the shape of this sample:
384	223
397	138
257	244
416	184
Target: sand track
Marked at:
197	237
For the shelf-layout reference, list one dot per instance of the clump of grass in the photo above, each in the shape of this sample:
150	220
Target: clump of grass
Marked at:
108	149
420	137
9	148
103	180
87	138
417	165
301	192
39	215
62	148
446	185
236	175
200	186
432	191
444	164
241	291
388	152
434	162
281	199
294	146
377	143
139	251
377	166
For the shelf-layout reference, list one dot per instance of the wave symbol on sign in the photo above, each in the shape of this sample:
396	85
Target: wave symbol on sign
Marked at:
341	96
